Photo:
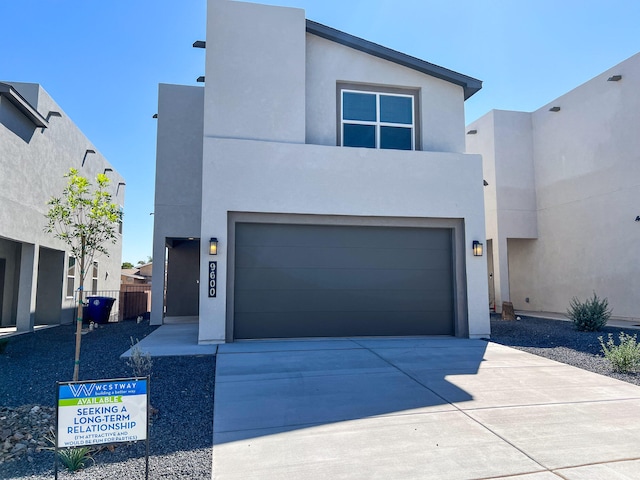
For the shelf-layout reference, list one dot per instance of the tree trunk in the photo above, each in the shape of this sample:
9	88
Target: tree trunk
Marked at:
76	365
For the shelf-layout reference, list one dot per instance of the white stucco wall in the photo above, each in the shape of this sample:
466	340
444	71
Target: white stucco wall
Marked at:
441	102
266	177
255	72
33	162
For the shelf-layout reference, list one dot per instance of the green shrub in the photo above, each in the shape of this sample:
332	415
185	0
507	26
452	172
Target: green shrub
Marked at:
73	459
624	357
590	315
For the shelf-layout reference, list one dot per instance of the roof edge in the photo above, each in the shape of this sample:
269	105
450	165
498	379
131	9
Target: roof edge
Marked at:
470	85
23	105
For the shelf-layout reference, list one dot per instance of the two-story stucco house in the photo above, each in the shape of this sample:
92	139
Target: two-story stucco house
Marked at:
39	143
563	200
331	173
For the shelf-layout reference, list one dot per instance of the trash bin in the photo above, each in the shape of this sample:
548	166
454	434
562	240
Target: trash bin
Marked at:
98	309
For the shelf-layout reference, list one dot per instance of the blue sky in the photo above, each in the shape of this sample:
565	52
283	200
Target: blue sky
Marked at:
102	60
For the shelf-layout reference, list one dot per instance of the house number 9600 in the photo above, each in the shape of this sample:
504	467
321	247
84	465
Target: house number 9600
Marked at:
213	271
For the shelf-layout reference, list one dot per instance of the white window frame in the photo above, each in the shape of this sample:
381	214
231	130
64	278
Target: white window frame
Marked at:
378	124
71	279
94	278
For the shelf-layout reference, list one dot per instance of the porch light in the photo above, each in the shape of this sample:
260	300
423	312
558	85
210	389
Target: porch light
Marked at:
477	248
554	109
213	246
614	78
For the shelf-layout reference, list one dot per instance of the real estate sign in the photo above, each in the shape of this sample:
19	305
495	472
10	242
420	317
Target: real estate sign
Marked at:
102	411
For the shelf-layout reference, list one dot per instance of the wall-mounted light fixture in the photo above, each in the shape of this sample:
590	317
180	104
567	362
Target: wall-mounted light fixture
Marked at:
472	132
477	248
120	184
199	44
554	109
485	183
213	246
614	78
155	115
200	79
107	170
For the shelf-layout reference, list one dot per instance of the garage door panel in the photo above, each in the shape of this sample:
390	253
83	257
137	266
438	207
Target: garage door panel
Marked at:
345	279
327	280
343	300
340	257
320	324
258	234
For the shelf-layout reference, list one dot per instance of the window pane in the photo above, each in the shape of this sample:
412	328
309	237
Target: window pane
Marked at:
359	135
71	271
359	106
396	109
397	138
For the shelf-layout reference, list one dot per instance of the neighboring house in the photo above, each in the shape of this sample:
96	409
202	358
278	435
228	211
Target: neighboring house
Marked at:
563	196
146	271
317	235
139	275
38	146
131	276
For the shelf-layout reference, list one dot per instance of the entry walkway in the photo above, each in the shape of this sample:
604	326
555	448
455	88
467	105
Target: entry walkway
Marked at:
416	408
173	340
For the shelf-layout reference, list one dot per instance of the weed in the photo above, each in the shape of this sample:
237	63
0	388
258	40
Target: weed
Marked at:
139	362
624	357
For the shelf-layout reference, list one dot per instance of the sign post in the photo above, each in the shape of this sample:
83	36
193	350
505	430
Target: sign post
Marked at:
102	411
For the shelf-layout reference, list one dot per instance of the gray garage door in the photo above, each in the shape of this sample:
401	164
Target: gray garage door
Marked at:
328	281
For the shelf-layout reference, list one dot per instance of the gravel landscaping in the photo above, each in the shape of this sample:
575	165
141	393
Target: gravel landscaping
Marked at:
182	392
181	389
560	341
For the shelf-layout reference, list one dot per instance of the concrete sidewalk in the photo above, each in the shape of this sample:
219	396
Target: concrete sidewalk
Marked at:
178	339
417	408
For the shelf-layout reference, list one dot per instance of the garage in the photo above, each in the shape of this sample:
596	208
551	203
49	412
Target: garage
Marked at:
299	280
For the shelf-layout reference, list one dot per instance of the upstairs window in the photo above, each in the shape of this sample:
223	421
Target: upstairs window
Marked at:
377	119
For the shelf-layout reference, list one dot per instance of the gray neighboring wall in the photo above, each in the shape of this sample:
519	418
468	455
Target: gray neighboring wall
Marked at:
33	161
178	200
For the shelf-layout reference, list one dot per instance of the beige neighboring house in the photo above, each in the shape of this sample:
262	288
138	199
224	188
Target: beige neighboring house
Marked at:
140	275
562	202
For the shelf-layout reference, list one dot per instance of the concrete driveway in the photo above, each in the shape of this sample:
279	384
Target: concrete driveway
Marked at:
417	408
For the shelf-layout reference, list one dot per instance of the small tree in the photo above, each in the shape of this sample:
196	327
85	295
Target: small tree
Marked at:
85	219
127	265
